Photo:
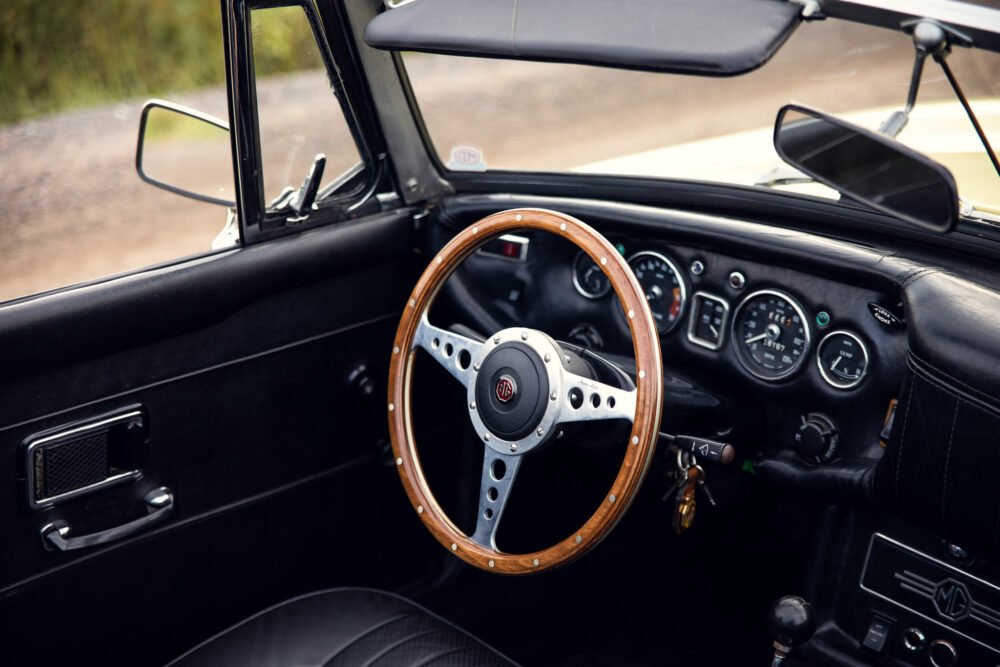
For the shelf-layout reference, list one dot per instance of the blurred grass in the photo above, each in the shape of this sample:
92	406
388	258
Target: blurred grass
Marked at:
57	55
164	126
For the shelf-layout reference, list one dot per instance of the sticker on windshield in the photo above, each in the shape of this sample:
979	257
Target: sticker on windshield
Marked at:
466	158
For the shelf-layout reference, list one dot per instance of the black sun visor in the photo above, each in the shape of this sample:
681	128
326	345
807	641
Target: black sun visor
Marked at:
703	37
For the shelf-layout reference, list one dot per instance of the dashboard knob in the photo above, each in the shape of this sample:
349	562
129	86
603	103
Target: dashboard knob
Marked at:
942	653
816	438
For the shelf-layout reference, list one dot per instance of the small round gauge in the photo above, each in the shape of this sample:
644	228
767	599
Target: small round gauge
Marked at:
842	359
588	279
663	285
770	334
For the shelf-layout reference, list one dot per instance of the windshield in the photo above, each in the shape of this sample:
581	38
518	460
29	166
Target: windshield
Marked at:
527	116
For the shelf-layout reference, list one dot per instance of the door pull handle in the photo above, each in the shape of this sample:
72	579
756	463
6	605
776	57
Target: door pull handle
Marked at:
159	505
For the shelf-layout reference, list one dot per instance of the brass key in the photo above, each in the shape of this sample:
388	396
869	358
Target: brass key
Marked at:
686	503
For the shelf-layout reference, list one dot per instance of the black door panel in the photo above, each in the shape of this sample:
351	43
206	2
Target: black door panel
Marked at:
248	369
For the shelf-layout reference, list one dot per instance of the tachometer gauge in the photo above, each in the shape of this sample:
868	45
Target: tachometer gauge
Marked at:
843	359
663	285
588	279
770	334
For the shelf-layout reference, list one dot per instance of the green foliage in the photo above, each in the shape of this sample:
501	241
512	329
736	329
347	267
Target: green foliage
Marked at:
64	54
283	41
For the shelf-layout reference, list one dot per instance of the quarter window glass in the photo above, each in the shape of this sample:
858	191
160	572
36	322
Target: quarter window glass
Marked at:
298	113
73	80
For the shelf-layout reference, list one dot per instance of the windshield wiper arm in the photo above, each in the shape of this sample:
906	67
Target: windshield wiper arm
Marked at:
968	112
782	175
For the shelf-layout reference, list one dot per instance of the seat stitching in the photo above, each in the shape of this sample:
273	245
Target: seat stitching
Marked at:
392	647
364	634
340	590
438	656
947	461
902	436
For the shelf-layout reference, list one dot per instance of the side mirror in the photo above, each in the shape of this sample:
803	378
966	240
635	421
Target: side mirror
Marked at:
868	167
185	152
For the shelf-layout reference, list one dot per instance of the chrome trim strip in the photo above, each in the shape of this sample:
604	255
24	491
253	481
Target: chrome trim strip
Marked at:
33	445
920	554
693	321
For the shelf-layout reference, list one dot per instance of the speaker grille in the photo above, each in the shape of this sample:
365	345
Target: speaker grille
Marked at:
71	465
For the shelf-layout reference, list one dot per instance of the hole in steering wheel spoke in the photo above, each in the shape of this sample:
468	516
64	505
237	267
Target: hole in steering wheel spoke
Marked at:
611	402
498	469
595	400
449	349
492	494
464	359
575	398
488	514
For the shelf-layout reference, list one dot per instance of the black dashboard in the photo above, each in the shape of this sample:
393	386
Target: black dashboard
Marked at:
766	356
874	393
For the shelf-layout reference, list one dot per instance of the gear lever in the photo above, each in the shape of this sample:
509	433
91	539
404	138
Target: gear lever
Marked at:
792	621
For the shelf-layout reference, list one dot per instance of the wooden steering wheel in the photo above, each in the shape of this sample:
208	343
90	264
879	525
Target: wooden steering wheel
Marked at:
519	392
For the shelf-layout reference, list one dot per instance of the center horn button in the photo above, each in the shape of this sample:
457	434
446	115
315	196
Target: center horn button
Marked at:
511	391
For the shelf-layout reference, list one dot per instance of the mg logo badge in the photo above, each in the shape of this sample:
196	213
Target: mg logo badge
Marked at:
506	389
952	600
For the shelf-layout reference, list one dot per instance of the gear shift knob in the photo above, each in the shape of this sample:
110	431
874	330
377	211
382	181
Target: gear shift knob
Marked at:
792	621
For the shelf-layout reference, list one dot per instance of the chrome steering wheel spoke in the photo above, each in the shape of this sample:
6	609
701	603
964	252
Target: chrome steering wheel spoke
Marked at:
453	351
589	400
499	471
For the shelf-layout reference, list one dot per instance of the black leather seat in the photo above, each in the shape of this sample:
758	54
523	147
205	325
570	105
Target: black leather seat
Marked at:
345	627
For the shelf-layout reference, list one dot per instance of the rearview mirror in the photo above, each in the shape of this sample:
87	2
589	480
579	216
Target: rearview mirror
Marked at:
185	152
868	167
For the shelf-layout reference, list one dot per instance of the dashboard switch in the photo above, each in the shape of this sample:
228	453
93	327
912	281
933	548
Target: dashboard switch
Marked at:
816	438
914	640
943	653
879	631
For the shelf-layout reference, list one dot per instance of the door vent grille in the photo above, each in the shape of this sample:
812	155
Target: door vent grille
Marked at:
82	457
70	465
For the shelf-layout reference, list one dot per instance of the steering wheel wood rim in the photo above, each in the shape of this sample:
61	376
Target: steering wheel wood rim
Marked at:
648	398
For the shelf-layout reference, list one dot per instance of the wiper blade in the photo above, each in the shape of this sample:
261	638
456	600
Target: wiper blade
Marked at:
782	175
968	210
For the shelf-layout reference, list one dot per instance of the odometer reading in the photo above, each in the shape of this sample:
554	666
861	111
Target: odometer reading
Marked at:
663	286
770	334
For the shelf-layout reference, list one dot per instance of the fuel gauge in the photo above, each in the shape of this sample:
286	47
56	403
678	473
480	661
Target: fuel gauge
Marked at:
843	359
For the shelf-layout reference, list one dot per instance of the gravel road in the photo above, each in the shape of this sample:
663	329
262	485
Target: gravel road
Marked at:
72	207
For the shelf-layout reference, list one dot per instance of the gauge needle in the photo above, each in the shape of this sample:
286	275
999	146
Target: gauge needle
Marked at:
756	338
715	332
836	361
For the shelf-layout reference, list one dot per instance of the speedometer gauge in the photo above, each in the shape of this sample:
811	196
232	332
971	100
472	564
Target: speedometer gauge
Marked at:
663	285
770	334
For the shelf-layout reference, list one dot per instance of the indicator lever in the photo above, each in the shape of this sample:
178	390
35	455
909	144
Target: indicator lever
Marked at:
703	448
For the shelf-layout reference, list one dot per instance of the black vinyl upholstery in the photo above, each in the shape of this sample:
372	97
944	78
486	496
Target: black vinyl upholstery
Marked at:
345	627
704	37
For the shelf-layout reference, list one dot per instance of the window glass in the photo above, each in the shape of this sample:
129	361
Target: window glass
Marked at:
298	113
73	80
500	114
